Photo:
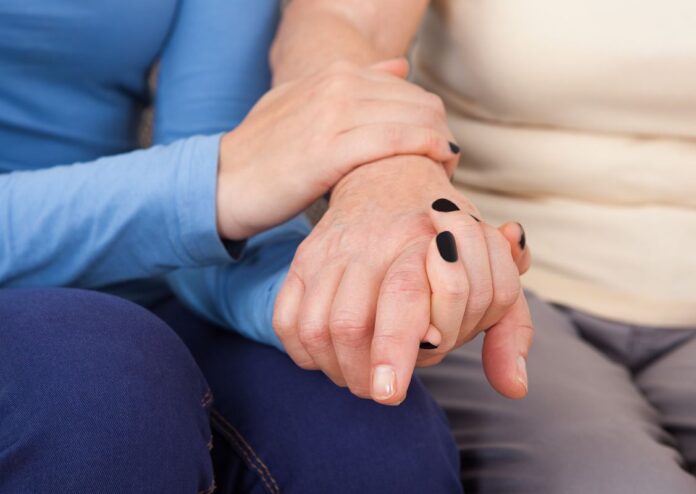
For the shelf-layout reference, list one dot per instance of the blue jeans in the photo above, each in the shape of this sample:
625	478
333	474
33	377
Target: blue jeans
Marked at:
100	395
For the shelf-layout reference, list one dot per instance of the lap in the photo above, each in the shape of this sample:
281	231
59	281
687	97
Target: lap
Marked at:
97	395
584	427
669	384
295	431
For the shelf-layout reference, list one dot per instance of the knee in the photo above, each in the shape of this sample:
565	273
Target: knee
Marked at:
338	443
94	380
413	445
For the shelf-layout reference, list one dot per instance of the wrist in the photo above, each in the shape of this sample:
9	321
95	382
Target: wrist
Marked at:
393	180
229	224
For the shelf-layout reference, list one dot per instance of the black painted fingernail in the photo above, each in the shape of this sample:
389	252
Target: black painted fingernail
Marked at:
447	246
477	220
523	237
454	148
426	345
444	206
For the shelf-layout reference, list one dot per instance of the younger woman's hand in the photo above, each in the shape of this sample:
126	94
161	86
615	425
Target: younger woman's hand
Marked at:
304	136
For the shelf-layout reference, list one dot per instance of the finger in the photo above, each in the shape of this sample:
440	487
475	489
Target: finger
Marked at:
285	315
376	112
383	87
431	340
352	323
505	276
446	215
369	143
449	289
398	67
313	321
403	315
505	350
516	236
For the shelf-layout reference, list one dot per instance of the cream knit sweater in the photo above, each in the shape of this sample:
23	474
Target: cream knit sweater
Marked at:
578	119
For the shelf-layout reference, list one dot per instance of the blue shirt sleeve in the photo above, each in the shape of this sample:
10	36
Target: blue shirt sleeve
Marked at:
241	296
213	70
124	217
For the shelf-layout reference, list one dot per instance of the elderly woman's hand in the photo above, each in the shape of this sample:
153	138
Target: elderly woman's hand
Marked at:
357	300
304	136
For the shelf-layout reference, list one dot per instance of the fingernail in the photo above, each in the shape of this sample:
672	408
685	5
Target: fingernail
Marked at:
522	372
454	148
444	206
523	237
426	345
383	382
477	220
447	246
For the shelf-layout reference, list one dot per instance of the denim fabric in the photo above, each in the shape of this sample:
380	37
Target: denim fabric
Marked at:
100	395
97	395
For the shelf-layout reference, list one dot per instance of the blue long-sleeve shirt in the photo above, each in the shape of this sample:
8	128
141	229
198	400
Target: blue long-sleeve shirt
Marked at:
79	204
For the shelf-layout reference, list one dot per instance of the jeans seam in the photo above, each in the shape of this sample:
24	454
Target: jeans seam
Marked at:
207	399
206	402
242	447
209	490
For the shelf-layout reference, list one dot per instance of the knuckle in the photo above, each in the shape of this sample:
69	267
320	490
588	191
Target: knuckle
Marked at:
314	335
283	328
404	281
454	291
349	330
507	294
303	255
388	339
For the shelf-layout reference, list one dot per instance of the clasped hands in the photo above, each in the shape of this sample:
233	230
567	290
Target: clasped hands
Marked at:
398	273
402	269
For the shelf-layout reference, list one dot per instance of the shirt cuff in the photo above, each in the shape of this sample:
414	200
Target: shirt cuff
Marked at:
197	203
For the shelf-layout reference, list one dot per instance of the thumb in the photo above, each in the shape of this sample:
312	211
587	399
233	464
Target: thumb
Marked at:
521	255
398	67
505	349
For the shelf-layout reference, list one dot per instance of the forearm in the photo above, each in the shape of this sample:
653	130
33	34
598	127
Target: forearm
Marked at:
119	218
315	33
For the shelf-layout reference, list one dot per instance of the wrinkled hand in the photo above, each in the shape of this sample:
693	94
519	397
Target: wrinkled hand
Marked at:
357	300
303	136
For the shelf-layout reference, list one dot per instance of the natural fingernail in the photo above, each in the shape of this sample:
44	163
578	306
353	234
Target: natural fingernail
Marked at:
447	246
522	372
454	148
383	382
523	237
444	206
426	345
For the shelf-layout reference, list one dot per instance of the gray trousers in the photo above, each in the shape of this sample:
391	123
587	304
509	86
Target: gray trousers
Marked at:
611	410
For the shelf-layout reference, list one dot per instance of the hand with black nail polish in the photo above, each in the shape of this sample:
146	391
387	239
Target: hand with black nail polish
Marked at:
389	280
459	282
